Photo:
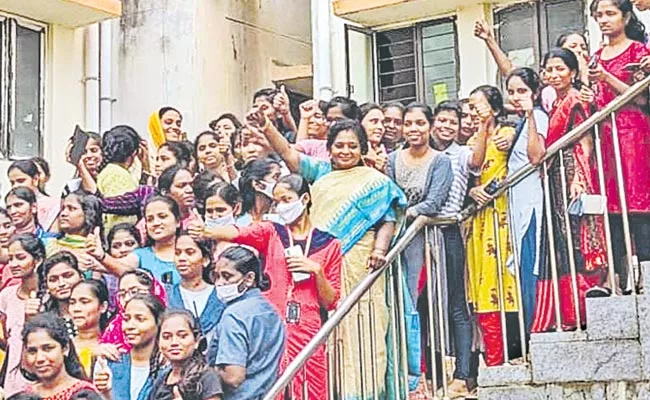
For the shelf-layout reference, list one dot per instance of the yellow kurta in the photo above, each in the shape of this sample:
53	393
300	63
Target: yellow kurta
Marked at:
483	290
115	180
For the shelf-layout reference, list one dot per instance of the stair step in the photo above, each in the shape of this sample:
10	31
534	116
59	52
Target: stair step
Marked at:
612	318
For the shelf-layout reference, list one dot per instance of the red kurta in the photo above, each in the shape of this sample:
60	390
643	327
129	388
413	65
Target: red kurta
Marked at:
634	137
271	240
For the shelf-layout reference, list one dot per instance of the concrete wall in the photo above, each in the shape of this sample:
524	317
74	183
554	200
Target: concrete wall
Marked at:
203	56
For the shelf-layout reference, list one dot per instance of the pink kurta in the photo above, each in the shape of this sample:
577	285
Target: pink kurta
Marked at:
14	309
270	240
634	137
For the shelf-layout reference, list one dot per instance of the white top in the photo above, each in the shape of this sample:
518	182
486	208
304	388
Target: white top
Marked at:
139	376
200	299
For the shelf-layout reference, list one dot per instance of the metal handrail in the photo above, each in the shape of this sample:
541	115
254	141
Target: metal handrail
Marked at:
420	222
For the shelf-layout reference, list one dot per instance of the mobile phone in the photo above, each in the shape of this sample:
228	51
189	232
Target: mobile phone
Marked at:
492	187
593	61
167	278
632	67
79	140
296	251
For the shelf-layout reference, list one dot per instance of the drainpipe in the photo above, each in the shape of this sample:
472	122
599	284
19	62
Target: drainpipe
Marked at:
106	75
91	78
322	63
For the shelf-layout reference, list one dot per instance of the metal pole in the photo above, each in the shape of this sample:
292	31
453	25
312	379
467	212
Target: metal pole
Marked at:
520	295
341	363
569	240
548	210
393	333
501	291
331	367
441	310
620	185
430	306
362	358
305	384
608	233
371	331
402	324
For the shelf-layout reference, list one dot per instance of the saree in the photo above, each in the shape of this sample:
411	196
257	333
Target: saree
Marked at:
587	231
156	130
362	198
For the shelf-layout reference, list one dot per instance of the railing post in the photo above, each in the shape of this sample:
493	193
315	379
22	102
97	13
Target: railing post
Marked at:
548	210
520	295
430	311
500	290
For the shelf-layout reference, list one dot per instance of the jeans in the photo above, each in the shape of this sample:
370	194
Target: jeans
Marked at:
460	326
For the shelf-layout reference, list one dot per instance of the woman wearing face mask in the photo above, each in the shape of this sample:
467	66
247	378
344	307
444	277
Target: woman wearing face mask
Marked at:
132	376
256	187
25	173
304	266
136	282
214	154
372	121
7	231
195	292
376	200
50	361
182	342
165	126
611	77
220	208
57	276
26	254
162	217
246	360
88	307
482	267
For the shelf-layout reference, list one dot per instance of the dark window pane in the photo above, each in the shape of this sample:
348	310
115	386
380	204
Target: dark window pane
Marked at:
396	64
565	16
24	139
515	33
440	67
397	74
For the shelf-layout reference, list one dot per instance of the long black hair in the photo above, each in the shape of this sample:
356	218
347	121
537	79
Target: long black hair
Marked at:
157	309
56	328
245	261
120	143
569	59
173	207
32	245
194	366
62	257
254	171
27	167
100	291
92	209
634	29
226	191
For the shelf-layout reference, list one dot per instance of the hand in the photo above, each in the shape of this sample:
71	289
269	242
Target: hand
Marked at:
526	105
223	147
587	95
484	111
93	245
303	264
196	227
482	30
503	142
32	305
177	393
143	155
479	195
577	188
108	351
308	109
281	101
411	213
102	377
378	161
256	122
645	64
597	74
377	259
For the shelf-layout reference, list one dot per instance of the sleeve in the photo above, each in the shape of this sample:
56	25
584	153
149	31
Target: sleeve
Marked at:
233	342
312	169
333	270
213	348
129	203
210	384
115	182
541	122
256	236
390	169
439	182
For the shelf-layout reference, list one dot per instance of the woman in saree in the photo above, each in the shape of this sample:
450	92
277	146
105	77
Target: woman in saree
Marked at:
165	126
483	288
358	205
562	71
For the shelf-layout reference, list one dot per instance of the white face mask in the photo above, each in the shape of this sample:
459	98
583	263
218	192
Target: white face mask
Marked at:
220	221
267	188
290	212
230	292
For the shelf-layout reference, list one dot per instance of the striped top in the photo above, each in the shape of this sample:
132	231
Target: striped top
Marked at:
460	157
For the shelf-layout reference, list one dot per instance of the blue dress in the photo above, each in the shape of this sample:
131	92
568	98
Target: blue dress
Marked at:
121	371
210	315
161	270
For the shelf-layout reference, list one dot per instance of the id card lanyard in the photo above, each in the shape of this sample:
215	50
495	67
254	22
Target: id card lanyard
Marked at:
293	307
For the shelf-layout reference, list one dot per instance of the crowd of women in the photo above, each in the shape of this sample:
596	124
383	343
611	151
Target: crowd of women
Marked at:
170	269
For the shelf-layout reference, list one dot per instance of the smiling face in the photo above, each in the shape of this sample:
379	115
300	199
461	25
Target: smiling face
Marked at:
21	212
60	280
416	128
72	217
44	356
189	259
130	286
518	92
18	178
123	244
171	123
446	126
393	122
139	324
610	19
225	127
161	222
21	263
181	189
317	126
85	308
164	159
7	230
346	150
373	123
207	151
93	156
559	75
177	342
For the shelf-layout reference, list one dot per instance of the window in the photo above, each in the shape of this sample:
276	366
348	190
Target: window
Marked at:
21	88
417	63
527	31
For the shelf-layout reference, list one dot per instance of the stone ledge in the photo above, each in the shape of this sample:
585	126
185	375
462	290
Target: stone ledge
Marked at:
612	318
643	311
504	375
606	360
512	393
555	337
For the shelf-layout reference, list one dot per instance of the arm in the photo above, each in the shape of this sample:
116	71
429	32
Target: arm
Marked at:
439	182
483	31
119	266
382	242
536	148
281	146
129	203
232	375
479	149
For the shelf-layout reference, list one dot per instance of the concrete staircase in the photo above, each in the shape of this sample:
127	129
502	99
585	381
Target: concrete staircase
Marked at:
610	360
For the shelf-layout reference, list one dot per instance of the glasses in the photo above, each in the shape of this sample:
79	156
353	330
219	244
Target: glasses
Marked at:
131	292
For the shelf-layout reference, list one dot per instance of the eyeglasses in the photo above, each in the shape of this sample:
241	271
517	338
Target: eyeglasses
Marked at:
131	292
